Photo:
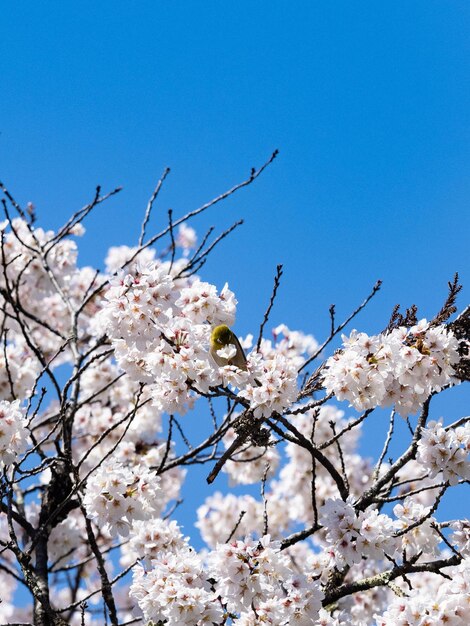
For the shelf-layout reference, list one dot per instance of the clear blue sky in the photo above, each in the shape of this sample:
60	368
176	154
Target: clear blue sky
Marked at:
368	103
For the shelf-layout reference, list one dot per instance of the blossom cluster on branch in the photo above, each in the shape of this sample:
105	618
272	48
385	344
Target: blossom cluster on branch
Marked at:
401	368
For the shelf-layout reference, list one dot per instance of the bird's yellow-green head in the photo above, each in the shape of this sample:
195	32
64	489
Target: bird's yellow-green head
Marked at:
221	337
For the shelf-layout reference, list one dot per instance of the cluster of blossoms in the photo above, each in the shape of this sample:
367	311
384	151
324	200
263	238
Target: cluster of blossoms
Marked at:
275	370
448	604
121	257
445	450
257	583
117	496
290	343
176	591
401	367
14	436
461	536
250	581
18	370
421	538
151	537
276	388
23	246
170	584
352	536
25	249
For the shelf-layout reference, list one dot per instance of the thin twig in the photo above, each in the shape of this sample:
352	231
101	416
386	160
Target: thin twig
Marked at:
148	210
277	281
265	503
172	237
386	445
197	262
234	529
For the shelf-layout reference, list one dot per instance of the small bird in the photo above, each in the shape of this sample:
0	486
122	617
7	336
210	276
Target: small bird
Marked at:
225	341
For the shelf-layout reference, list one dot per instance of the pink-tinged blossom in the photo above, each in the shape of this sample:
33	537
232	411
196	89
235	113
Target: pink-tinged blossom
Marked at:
247	572
376	531
14	435
227	352
268	613
137	453
401	367
325	618
300	606
303	602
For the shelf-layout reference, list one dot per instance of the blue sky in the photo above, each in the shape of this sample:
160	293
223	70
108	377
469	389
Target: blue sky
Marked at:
368	103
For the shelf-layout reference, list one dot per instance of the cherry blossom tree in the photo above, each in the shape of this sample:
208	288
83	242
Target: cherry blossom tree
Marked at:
100	375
